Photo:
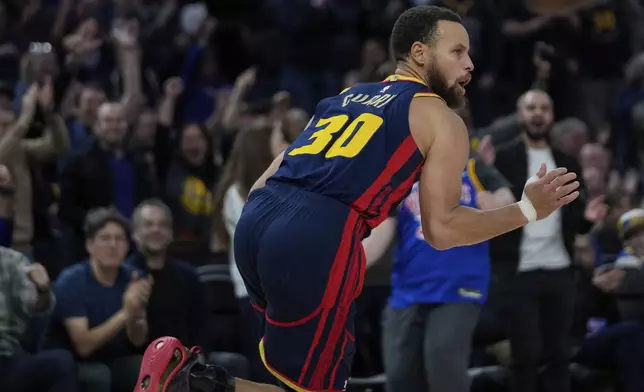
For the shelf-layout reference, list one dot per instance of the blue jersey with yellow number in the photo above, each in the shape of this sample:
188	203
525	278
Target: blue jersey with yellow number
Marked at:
358	148
422	274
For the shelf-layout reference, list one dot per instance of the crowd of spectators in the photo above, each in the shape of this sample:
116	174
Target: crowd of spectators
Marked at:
131	132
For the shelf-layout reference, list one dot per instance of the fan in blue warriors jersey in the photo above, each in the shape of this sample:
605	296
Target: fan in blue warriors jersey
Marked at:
436	294
298	241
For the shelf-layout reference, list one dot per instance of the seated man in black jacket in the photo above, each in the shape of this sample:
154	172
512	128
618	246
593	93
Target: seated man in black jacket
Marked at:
177	305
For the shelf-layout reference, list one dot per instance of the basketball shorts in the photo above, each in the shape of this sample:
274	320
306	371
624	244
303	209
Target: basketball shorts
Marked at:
301	258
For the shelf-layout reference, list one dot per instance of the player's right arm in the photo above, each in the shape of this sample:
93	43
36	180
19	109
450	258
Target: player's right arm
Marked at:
442	136
272	169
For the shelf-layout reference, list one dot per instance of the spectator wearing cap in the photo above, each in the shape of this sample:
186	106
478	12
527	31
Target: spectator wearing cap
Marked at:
625	277
100	314
619	347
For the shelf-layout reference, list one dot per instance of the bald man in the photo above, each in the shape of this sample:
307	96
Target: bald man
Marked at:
534	289
104	174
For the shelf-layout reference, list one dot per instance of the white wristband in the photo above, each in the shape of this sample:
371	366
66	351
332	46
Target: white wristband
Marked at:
527	209
526	205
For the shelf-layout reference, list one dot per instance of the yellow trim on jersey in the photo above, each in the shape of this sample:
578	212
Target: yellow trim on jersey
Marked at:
402	78
471	172
345	90
286	381
432	95
427	95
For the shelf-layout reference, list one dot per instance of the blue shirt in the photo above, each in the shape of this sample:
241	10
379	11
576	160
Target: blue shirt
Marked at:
6	232
123	177
79	294
422	274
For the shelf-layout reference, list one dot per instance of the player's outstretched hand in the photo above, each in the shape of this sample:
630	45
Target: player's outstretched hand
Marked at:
548	191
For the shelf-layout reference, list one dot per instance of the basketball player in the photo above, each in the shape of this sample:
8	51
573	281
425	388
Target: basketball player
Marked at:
298	241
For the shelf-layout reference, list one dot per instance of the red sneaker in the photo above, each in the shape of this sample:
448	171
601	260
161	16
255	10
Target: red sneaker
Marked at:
162	360
168	366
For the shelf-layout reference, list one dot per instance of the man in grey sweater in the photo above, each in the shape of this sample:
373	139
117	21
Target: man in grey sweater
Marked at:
24	293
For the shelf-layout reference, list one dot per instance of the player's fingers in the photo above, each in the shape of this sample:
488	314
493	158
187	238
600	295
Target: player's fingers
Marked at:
569	199
564	179
566	189
542	170
552	174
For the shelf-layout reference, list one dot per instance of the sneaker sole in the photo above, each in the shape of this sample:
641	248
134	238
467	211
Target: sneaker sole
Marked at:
162	360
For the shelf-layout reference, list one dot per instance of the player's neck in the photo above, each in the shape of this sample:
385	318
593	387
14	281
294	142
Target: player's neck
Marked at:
406	70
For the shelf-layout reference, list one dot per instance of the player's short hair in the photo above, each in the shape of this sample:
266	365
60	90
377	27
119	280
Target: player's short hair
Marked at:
418	24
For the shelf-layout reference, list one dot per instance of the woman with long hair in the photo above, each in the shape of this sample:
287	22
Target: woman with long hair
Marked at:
253	151
187	189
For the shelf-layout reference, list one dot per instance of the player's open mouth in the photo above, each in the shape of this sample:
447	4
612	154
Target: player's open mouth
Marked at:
460	88
461	83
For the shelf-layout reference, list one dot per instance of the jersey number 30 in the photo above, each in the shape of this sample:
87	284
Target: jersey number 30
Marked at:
351	141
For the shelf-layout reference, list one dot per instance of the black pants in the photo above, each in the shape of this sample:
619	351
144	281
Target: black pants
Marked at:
538	312
620	348
49	370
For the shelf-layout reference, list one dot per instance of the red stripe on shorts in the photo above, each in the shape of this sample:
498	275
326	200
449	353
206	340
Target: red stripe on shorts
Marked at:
336	278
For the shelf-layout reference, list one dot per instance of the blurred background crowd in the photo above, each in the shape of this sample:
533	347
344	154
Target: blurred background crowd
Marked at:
131	131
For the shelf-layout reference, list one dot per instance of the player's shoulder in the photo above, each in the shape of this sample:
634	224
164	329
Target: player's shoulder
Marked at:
429	112
431	119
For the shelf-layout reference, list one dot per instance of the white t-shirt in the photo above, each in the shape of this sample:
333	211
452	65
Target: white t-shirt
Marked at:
233	206
542	245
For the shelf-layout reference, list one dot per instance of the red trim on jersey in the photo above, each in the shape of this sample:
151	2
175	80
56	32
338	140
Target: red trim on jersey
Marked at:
404	152
394	196
295	323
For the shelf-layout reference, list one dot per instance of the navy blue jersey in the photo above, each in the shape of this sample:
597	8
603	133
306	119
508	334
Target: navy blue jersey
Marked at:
358	148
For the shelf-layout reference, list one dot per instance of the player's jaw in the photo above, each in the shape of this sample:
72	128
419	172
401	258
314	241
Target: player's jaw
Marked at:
459	85
453	93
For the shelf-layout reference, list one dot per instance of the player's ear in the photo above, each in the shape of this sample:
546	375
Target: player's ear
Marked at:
418	53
